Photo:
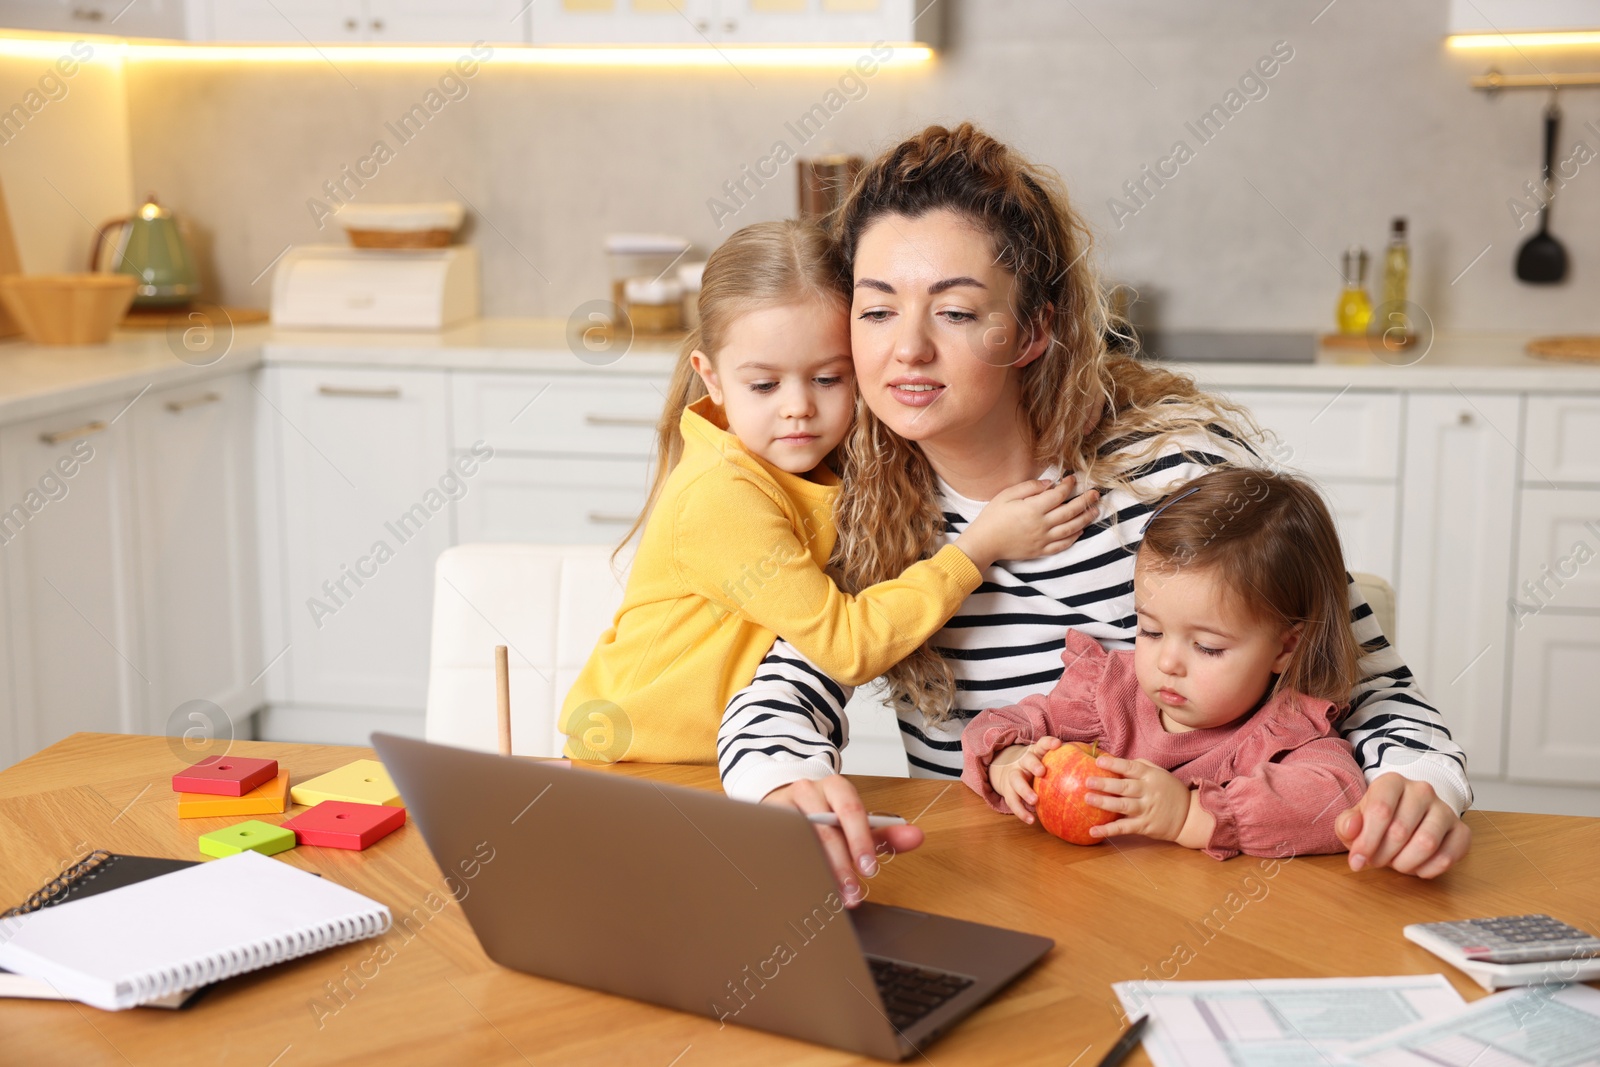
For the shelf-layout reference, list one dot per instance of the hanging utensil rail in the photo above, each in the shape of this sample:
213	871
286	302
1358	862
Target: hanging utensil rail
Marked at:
1494	81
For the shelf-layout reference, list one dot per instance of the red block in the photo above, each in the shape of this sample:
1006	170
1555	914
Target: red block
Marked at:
227	776
345	824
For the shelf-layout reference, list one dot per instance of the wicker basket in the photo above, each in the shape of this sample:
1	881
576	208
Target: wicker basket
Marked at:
400	238
67	309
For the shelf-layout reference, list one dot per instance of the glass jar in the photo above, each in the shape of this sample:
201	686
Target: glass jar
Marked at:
655	305
645	256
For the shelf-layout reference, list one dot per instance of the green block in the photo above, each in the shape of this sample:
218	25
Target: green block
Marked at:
252	836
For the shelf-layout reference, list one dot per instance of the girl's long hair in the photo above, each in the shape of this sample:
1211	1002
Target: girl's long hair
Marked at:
1272	545
766	264
1086	409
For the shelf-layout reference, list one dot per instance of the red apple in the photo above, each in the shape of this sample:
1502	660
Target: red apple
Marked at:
1062	789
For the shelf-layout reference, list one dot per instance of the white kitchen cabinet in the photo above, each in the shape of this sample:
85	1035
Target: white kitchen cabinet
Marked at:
460	21
739	22
1554	733
1562	434
623	22
557	500
196	492
1365	516
361	457
176	19
1348	443
558	415
514	22
1558	550
823	21
788	21
1521	16
369	21
573	454
1455	561
288	21
77	655
1330	434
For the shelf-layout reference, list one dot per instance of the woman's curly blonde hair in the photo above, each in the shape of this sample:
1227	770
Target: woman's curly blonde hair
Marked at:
1086	408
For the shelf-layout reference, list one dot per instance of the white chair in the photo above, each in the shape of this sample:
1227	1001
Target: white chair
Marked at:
1380	597
548	604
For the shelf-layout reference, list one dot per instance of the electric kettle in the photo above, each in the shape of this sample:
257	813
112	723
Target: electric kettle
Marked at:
149	246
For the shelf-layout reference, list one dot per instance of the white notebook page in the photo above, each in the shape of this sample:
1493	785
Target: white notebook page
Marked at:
185	929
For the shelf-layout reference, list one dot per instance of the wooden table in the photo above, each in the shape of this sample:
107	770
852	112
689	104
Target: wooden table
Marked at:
1124	911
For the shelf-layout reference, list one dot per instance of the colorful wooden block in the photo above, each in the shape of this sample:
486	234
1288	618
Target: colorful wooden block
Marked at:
341	824
225	776
362	782
251	836
269	799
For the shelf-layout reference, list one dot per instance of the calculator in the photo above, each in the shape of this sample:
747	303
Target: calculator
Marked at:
1508	939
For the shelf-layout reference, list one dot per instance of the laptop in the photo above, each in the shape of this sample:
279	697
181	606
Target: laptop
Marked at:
690	900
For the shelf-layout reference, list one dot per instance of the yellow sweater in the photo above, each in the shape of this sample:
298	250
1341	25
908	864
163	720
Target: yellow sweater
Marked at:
733	554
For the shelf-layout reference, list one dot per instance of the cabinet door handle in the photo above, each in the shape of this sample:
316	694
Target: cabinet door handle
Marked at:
351	24
177	406
618	420
391	393
88	14
377	25
88	429
729	26
1464	419
605	518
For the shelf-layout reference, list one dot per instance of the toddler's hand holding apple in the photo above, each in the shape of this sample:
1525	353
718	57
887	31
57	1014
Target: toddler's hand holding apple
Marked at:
1149	799
1012	772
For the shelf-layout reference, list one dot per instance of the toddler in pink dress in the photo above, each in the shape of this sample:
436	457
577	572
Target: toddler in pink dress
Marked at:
1222	716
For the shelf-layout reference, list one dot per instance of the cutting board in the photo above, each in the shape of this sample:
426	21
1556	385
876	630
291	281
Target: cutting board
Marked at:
1573	348
161	318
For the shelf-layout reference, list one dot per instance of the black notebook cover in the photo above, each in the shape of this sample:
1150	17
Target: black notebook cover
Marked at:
115	872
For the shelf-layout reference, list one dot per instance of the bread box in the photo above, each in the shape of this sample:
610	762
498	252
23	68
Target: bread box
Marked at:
319	287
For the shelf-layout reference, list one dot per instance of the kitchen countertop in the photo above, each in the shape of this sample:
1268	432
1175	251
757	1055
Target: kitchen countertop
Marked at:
37	381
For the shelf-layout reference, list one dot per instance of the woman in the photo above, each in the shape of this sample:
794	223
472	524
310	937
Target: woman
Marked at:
978	334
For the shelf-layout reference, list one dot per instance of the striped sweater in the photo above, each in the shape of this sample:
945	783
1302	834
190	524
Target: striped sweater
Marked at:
1006	642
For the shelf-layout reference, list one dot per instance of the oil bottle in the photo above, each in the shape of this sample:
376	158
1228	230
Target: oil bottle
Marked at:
1396	267
1355	308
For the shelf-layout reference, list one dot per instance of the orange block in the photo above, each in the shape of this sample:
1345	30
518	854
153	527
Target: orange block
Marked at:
269	798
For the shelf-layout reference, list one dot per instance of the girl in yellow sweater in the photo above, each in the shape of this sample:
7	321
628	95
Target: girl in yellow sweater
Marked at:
739	525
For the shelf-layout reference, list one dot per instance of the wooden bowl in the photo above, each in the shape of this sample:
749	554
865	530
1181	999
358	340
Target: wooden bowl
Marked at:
67	309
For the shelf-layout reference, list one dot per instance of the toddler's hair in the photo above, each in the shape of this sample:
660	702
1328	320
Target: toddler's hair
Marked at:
1272	544
766	264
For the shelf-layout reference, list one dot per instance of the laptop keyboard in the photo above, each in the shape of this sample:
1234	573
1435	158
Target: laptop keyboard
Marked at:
910	992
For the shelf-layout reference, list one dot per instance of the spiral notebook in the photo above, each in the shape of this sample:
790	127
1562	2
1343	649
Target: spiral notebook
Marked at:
96	872
146	941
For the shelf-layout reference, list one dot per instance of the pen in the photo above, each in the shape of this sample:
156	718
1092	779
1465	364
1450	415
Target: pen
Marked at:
1120	1050
876	820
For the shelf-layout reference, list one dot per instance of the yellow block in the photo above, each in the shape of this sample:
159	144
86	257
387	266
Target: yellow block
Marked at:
362	782
268	798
